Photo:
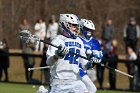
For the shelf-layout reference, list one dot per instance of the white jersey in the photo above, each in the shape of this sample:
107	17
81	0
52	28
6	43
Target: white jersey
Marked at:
68	67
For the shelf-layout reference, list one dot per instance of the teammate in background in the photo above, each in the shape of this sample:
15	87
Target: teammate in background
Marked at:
65	66
92	47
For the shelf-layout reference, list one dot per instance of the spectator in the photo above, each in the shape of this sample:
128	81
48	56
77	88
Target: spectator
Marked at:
40	31
52	28
29	62
24	25
131	57
112	62
108	32
4	59
99	68
131	34
137	71
46	71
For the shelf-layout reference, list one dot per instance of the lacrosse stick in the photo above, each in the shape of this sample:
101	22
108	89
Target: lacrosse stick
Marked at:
28	38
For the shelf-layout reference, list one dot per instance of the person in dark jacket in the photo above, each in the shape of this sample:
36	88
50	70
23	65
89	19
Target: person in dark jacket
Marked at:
131	34
4	59
137	71
108	32
99	68
112	62
29	61
46	71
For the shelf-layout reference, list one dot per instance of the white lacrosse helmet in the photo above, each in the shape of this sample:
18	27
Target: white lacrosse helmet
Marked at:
87	27
65	21
88	24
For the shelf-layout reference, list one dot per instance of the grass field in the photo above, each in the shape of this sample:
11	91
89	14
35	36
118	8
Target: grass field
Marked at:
25	88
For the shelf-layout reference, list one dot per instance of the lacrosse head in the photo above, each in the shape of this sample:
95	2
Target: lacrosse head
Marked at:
25	35
69	24
28	38
87	27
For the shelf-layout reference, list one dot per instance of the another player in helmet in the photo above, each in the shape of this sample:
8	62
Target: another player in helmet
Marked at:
93	49
87	29
65	66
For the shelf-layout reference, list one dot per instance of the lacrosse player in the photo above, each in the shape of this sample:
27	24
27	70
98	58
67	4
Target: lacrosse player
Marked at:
65	76
92	47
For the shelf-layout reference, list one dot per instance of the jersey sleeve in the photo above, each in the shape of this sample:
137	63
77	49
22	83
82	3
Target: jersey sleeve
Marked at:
83	61
51	49
96	49
96	45
51	52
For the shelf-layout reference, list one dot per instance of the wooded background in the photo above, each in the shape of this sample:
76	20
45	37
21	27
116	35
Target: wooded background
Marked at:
13	11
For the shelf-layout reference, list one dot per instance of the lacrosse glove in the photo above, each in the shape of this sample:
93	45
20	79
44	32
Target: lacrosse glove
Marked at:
61	52
89	53
93	61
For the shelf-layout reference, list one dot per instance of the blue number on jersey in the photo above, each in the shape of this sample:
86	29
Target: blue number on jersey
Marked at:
72	58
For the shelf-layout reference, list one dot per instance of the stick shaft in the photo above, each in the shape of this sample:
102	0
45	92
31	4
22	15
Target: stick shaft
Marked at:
116	70
123	73
37	68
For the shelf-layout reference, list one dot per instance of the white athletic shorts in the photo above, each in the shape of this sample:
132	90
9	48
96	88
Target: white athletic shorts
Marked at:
71	87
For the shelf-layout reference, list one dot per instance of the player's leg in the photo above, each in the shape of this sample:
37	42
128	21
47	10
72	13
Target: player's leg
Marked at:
79	87
89	84
87	81
61	88
76	86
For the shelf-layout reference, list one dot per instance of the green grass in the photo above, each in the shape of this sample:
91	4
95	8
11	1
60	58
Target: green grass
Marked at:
16	88
25	88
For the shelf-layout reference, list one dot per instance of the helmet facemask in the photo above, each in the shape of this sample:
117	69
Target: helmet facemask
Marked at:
87	33
87	27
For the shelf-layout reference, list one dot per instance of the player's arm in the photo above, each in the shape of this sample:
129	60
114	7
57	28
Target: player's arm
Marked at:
54	54
96	54
83	62
59	54
95	58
